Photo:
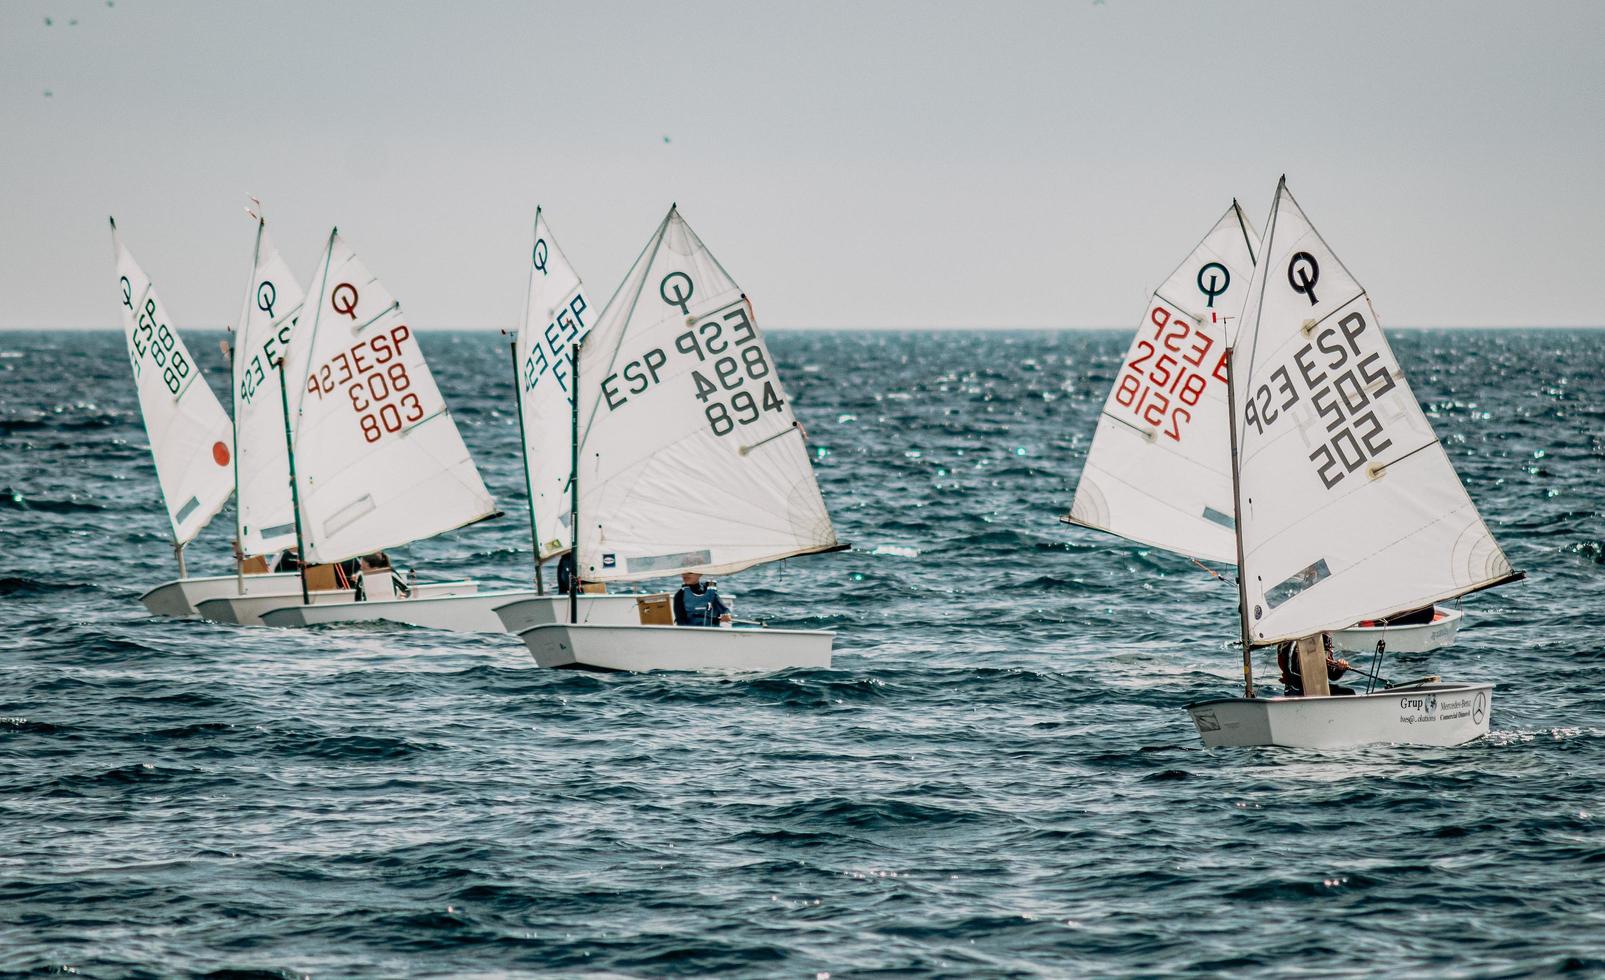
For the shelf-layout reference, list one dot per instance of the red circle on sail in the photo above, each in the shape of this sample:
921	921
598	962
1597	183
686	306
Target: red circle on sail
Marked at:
220	453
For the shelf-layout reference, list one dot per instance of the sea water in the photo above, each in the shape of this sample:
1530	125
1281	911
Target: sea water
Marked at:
996	776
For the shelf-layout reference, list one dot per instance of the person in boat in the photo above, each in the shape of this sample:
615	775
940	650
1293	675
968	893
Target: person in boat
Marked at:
377	579
698	604
1293	681
289	561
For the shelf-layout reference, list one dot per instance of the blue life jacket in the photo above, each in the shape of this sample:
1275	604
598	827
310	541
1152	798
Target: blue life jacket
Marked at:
701	610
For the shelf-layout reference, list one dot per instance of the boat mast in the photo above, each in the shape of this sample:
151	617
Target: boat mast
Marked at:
1237	528
295	492
1231	411
574	484
523	451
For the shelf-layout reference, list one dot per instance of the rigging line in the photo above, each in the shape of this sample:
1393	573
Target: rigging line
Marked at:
1183	263
1264	276
311	342
1322	240
1242	225
1206	568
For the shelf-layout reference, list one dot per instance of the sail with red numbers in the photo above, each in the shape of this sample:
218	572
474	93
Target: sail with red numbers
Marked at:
378	460
1350	508
190	435
1159	470
273	299
690	458
557	312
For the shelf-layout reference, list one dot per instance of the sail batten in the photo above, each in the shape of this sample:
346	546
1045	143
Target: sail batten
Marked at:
1351	509
682	464
191	437
1159	471
378	458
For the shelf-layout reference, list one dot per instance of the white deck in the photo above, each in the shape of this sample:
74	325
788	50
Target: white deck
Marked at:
474	612
247	610
603	609
1426	714
180	596
638	648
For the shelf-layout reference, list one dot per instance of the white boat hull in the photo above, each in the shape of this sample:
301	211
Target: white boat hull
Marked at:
471	613
602	609
247	610
1416	638
1426	714
180	596
638	648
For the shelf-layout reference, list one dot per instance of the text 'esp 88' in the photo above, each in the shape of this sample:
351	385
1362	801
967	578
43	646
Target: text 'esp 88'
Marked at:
155	342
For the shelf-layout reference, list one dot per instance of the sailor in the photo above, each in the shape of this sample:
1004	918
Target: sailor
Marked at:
375	578
1293	683
289	561
697	604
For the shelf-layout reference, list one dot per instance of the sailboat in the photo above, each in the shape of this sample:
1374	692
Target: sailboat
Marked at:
1349	509
373	457
191	438
557	314
1159	469
687	459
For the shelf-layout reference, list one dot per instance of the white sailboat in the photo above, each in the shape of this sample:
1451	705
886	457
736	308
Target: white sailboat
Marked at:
689	459
191	439
373	458
1349	507
557	314
1159	469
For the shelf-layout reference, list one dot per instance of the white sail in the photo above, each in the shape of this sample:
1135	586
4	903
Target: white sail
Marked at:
690	457
378	459
262	336
557	313
1350	509
1159	471
189	432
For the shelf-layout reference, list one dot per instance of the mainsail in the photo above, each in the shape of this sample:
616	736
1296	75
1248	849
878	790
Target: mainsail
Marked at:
272	302
557	313
1159	470
189	432
378	459
690	457
1350	509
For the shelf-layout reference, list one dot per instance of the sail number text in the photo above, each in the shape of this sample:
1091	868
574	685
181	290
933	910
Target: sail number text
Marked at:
373	378
154	342
1342	385
731	375
1165	376
272	349
546	350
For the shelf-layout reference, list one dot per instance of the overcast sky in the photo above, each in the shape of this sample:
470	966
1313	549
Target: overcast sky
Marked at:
851	164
